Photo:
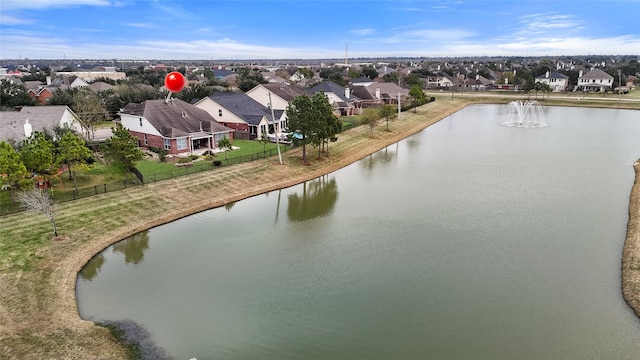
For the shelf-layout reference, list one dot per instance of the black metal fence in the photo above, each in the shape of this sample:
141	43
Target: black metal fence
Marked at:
138	179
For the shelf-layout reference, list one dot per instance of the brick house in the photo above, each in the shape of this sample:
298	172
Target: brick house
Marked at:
173	125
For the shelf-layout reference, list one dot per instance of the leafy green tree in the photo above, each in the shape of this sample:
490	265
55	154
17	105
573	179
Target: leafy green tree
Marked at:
248	79
391	77
121	150
327	124
38	154
225	145
412	80
302	119
417	97
387	112
308	73
354	73
12	95
195	92
370	117
73	153
370	72
13	173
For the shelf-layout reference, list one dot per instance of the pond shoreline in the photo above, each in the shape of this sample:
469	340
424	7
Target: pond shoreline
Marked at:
631	251
38	307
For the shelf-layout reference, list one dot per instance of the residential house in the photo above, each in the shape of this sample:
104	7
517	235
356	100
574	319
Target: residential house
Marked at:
41	93
377	94
344	103
173	125
362	81
556	81
595	80
277	94
479	83
100	86
250	119
16	126
439	79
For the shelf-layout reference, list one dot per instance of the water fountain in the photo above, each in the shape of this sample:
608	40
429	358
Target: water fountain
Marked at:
526	113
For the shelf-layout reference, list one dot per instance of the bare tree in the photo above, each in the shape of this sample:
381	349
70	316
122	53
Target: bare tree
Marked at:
39	201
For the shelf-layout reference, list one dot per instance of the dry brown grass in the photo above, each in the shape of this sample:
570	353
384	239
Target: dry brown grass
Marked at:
38	312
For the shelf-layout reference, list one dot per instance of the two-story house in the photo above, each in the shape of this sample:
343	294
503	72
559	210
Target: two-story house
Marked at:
173	125
556	81
249	118
595	80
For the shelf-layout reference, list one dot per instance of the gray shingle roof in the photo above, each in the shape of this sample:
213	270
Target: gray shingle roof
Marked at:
284	91
552	75
175	118
243	106
596	74
41	118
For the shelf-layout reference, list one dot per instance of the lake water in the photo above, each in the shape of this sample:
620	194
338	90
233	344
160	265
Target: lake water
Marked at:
468	240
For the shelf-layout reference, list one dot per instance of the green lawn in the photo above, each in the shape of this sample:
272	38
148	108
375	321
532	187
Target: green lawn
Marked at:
151	169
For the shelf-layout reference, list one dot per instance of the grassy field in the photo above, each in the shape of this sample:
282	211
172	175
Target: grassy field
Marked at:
38	312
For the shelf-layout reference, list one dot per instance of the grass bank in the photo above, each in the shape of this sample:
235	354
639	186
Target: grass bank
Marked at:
38	313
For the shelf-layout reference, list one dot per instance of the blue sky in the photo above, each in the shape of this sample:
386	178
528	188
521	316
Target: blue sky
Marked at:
242	29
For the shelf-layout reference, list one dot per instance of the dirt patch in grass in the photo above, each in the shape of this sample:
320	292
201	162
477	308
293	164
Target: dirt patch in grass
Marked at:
38	311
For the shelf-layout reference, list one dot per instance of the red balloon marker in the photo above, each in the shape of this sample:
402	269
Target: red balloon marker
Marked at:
174	81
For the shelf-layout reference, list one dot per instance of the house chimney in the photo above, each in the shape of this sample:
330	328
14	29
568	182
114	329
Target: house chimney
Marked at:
477	76
547	74
48	80
27	128
580	75
347	93
377	93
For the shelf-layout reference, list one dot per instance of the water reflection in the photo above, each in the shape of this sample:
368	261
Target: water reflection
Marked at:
318	199
91	269
381	157
229	206
133	247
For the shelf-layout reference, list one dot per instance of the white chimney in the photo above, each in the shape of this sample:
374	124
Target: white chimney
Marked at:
580	75
477	76
547	74
347	92
48	80
377	93
27	128
438	67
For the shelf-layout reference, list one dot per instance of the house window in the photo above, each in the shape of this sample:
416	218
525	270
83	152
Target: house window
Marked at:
219	112
217	138
167	144
181	143
140	121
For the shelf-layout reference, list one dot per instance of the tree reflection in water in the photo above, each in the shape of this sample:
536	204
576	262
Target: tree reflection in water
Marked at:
318	198
91	268
133	247
379	158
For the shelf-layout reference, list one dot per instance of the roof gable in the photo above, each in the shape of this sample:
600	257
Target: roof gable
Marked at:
174	118
41	118
245	107
596	74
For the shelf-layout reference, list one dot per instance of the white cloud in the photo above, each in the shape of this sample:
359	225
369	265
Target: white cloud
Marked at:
363	32
545	22
12	20
142	25
44	4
